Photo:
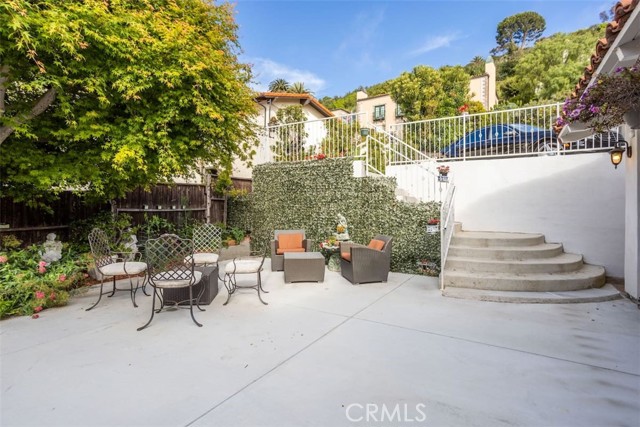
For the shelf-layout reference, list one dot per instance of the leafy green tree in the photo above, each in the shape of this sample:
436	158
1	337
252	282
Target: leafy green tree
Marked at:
426	93
105	96
290	133
547	71
514	32
279	85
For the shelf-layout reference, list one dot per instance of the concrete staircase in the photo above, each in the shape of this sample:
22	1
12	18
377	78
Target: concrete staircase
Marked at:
520	267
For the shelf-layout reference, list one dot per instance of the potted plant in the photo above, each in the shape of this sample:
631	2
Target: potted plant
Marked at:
611	100
433	226
443	172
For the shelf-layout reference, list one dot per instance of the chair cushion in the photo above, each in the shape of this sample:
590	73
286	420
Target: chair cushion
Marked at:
203	258
290	241
118	268
280	251
376	244
243	266
346	255
158	281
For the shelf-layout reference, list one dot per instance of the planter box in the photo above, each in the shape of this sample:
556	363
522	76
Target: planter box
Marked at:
443	178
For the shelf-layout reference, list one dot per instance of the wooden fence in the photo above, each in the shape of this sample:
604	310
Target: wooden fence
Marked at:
172	202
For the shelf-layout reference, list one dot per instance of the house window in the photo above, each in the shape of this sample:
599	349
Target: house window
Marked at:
399	112
378	112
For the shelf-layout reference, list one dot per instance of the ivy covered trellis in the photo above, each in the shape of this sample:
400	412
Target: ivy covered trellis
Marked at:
310	194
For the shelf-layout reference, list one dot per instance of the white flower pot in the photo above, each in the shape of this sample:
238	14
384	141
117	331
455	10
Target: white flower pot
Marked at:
443	178
433	229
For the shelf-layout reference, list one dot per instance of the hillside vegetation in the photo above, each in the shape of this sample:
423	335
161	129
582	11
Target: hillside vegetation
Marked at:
545	72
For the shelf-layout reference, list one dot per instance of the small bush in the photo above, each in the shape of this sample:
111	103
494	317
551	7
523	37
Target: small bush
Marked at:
28	285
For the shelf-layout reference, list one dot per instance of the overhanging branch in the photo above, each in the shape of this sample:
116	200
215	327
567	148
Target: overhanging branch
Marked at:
43	103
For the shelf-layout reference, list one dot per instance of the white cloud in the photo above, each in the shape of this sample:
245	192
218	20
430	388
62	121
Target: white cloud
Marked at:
360	43
433	43
266	70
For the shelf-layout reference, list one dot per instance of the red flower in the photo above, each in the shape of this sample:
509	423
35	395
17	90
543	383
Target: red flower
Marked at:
38	309
463	108
321	156
62	278
35	316
3	259
52	296
433	221
39	295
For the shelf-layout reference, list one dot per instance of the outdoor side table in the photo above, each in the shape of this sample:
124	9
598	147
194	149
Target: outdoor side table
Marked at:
209	281
303	267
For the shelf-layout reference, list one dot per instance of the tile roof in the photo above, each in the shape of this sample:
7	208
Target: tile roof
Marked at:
301	96
622	12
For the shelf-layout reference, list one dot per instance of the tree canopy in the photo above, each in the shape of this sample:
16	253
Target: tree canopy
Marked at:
428	93
514	32
105	96
547	71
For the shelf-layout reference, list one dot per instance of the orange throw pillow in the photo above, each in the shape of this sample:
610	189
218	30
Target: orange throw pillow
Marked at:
290	241
376	244
282	251
346	255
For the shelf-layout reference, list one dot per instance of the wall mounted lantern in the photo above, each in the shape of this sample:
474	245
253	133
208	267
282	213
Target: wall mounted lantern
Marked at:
617	151
364	132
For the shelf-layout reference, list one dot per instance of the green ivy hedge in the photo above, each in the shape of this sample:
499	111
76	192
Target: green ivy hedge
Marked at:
309	195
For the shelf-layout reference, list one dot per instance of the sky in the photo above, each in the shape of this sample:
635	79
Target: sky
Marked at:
335	46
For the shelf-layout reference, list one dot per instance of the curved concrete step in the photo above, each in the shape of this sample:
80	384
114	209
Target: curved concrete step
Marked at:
605	293
544	250
589	276
484	239
558	264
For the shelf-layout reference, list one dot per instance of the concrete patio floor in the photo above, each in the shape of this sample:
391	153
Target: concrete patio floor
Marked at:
328	354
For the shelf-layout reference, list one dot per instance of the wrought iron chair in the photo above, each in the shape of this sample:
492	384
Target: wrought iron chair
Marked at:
207	241
110	264
170	266
251	265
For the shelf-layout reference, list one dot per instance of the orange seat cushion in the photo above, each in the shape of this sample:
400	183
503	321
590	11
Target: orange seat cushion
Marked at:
376	244
280	251
290	241
346	255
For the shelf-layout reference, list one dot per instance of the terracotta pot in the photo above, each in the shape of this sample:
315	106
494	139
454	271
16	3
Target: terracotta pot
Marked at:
231	242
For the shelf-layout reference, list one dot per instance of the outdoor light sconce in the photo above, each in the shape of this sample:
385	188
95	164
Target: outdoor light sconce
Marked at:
616	153
364	132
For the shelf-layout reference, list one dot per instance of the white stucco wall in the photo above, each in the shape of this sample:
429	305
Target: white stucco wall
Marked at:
577	200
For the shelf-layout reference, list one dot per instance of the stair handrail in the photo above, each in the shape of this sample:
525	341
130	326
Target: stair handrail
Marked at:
421	157
447	224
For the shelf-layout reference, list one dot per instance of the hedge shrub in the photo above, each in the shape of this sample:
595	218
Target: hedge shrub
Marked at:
310	194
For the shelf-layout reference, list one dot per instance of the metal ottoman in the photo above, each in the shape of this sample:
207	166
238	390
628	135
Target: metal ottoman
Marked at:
303	267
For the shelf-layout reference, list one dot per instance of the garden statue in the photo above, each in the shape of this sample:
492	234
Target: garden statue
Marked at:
342	230
52	249
132	246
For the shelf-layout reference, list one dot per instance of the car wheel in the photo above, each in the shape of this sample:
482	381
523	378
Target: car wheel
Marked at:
547	147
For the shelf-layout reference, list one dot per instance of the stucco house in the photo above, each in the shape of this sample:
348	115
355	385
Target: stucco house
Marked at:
382	111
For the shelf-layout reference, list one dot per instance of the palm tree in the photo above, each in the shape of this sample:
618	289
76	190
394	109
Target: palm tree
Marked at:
299	87
279	85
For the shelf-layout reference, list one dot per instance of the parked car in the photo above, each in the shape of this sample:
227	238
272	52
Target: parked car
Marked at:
504	139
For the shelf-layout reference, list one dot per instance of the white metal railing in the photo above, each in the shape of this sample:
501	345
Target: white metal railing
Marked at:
328	137
516	132
447	225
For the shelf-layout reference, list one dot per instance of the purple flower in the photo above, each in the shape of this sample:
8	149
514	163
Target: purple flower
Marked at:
620	69
594	110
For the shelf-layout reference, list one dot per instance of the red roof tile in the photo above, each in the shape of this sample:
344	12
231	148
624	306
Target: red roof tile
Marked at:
301	96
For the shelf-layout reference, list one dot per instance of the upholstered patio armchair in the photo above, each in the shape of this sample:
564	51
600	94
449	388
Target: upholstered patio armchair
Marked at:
363	264
287	241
